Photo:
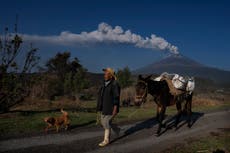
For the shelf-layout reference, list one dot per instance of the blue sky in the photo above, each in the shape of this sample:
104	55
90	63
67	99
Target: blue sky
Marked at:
199	29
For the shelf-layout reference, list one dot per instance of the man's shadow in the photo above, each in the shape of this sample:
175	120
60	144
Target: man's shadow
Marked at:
149	123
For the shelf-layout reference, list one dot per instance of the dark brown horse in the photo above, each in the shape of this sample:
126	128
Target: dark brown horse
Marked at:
163	98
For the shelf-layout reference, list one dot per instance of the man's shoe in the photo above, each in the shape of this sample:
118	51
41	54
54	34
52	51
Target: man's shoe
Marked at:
104	143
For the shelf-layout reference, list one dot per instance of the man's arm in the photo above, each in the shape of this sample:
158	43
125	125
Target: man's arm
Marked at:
114	110
116	96
98	108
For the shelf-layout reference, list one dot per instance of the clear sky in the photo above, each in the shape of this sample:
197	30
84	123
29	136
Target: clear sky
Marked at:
115	31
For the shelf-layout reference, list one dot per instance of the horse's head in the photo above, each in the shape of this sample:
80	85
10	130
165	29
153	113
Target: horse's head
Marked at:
141	90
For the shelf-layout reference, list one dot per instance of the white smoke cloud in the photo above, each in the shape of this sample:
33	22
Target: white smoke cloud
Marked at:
105	34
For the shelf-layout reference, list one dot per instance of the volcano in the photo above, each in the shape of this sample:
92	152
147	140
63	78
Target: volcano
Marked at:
185	66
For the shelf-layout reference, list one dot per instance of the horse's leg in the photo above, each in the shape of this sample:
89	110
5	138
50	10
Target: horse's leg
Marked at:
158	112
161	118
179	112
189	109
185	109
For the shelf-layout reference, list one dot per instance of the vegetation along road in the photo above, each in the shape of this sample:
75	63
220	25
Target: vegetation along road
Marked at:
136	137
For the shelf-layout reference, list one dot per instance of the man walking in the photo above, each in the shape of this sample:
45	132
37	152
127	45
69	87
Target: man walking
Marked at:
108	104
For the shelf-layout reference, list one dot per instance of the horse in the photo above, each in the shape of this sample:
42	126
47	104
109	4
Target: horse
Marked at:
163	98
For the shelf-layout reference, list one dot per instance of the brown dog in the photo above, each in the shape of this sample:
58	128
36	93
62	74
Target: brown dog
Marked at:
58	121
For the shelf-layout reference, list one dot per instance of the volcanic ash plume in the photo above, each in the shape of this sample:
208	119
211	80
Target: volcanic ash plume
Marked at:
105	33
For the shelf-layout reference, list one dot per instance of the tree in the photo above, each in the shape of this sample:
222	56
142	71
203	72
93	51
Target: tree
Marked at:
15	83
75	82
124	77
79	80
61	65
70	73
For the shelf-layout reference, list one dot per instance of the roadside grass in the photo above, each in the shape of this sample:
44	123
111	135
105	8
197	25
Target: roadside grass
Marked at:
217	142
32	121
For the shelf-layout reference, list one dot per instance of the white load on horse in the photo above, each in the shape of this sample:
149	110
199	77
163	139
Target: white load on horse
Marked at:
178	84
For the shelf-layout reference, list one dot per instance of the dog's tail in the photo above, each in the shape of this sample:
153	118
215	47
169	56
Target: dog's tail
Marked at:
64	112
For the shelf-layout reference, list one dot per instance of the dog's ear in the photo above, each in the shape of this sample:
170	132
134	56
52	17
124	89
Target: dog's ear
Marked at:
50	120
46	119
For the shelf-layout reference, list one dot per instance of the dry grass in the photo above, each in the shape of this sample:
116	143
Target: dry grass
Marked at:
205	102
43	105
128	93
210	99
203	99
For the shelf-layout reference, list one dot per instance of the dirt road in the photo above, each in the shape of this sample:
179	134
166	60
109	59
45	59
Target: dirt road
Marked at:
136	138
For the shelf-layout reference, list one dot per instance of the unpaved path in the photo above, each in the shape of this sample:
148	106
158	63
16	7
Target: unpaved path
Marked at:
134	138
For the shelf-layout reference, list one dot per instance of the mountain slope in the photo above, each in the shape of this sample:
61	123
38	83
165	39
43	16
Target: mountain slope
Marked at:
185	66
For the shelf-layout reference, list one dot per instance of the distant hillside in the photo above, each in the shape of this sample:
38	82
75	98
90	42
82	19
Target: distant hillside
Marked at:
185	66
96	79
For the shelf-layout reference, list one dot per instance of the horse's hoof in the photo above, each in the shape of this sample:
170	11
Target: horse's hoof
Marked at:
176	127
157	134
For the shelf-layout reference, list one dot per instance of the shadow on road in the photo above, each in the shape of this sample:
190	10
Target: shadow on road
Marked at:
152	122
82	125
170	123
140	126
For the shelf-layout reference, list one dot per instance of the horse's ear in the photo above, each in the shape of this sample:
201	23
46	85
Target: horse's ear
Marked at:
148	77
140	77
